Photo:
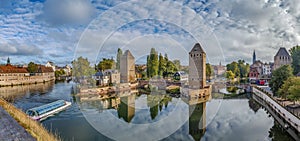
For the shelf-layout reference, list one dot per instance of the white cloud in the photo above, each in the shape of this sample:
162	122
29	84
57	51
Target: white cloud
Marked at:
68	12
240	26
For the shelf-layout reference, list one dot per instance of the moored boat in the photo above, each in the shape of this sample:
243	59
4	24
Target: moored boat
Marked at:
44	111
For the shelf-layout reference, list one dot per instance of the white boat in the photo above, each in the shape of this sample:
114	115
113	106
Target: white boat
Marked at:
44	111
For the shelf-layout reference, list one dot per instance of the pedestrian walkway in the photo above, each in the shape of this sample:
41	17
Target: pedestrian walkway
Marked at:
10	130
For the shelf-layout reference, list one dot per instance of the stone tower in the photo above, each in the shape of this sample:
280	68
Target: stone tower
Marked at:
127	68
197	67
281	58
254	57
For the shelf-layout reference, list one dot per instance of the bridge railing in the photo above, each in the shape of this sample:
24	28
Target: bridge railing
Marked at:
289	117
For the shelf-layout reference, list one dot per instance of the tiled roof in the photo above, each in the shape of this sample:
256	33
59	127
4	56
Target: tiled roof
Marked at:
44	69
12	69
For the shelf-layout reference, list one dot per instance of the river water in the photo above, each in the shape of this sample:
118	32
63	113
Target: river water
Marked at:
148	117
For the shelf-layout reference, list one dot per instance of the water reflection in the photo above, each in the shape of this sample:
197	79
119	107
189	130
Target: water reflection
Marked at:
159	116
134	116
13	92
126	109
197	120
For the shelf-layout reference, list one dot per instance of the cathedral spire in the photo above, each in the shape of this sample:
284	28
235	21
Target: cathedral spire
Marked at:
8	61
254	57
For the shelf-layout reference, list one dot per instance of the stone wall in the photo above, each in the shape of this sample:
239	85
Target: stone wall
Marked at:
8	79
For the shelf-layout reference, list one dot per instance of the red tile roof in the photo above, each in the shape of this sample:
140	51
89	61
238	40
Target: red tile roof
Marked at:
44	69
12	69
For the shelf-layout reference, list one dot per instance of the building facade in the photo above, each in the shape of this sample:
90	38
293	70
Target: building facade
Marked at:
13	75
127	68
281	58
51	64
219	70
113	76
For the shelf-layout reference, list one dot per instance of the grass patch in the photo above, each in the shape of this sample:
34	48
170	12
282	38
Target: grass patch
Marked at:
34	128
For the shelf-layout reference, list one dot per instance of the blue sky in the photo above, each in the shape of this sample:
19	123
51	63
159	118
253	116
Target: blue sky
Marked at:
59	30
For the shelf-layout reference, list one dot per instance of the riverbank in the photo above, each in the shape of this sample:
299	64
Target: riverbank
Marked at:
34	128
18	83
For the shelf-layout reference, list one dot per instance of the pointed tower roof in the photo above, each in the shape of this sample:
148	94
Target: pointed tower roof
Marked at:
8	61
282	52
128	54
197	47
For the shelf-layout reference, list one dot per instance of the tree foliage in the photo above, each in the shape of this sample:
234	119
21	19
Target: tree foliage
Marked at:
279	76
295	54
59	73
106	64
81	68
229	75
209	71
162	65
177	64
290	89
234	68
32	67
240	68
119	55
152	63
159	65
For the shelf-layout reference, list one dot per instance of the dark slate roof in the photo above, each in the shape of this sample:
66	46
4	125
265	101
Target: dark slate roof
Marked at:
197	47
298	74
128	54
99	73
282	52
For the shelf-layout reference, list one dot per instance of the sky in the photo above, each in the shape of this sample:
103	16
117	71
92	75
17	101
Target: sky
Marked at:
228	30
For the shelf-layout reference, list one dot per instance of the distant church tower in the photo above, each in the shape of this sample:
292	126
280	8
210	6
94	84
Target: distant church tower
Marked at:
197	67
8	61
254	57
127	67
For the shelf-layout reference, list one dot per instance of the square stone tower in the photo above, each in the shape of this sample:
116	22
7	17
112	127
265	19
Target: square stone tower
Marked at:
281	58
197	67
127	67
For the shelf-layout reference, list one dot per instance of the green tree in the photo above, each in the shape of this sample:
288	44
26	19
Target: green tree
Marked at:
244	68
162	65
209	71
82	69
106	64
295	54
59	73
171	68
290	89
234	67
32	67
152	63
229	75
119	55
279	76
177	64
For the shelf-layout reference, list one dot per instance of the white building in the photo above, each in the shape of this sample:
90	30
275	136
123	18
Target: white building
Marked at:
50	64
266	69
